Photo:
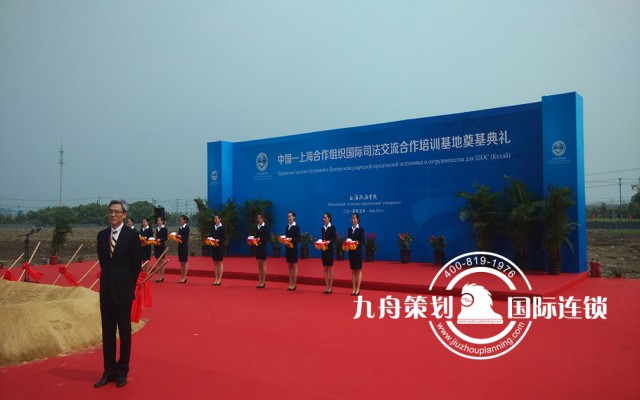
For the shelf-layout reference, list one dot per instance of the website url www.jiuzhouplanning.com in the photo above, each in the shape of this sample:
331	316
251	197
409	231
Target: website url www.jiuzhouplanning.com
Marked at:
481	350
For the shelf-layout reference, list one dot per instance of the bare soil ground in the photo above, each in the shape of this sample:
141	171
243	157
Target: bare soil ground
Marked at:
615	249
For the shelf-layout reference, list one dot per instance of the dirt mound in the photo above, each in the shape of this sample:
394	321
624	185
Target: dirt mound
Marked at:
41	321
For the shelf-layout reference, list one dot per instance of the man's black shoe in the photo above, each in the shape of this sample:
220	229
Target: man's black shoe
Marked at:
103	381
121	381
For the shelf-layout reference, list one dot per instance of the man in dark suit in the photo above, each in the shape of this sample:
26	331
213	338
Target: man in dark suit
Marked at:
120	260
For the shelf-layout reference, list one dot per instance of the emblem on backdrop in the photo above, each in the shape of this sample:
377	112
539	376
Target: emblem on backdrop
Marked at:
558	148
262	162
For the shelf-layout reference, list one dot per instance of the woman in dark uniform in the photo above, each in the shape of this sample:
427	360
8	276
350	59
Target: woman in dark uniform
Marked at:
183	248
217	232
355	256
146	232
162	234
328	234
292	231
262	233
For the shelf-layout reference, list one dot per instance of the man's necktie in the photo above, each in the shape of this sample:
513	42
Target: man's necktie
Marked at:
113	241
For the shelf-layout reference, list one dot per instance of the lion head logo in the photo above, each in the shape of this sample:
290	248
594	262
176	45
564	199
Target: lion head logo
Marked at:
477	306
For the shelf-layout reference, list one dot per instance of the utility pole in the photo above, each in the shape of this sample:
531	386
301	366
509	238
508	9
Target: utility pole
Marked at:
61	162
620	189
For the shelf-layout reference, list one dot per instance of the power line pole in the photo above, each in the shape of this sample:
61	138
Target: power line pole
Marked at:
61	162
620	189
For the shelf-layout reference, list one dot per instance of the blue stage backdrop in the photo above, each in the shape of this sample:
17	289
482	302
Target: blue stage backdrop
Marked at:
404	176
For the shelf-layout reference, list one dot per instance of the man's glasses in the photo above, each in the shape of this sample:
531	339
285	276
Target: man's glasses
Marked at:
115	212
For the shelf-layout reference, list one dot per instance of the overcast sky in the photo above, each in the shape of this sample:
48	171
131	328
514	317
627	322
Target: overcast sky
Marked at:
133	90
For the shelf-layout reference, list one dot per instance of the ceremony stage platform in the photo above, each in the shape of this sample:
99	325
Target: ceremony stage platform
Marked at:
238	342
414	277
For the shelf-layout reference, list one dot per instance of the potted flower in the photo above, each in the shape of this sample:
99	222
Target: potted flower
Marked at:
339	251
275	244
305	240
438	244
404	241
370	246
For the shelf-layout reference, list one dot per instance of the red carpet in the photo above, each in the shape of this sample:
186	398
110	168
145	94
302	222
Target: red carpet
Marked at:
238	342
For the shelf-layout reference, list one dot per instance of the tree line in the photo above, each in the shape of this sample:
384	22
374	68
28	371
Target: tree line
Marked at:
86	214
96	214
622	211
